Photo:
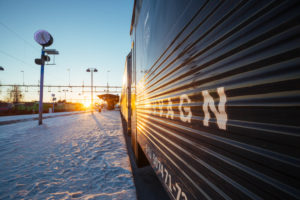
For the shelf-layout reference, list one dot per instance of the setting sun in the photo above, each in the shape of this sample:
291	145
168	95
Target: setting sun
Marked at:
87	104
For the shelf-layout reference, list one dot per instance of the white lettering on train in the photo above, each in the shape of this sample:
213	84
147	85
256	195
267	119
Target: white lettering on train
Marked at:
170	112
185	111
161	104
153	108
221	115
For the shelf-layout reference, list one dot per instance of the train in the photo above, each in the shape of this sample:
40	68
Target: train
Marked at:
211	97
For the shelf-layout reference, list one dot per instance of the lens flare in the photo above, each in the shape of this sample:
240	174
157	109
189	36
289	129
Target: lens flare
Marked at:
87	104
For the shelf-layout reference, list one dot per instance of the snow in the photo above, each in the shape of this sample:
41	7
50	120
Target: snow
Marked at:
79	156
32	116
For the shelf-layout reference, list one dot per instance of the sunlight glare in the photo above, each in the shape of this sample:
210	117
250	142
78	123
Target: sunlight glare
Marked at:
87	104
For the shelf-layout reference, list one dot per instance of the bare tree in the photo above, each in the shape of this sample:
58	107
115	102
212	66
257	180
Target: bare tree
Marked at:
15	94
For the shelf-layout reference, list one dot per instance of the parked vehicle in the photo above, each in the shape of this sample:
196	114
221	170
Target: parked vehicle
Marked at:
211	97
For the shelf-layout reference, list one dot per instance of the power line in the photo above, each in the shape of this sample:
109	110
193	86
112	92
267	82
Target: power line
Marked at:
19	36
13	57
22	61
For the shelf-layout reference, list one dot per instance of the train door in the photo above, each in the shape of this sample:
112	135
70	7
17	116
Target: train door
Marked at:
140	157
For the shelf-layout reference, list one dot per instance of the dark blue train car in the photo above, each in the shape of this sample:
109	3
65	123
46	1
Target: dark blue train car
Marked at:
214	97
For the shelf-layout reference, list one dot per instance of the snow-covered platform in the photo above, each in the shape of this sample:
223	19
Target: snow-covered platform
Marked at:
80	156
22	118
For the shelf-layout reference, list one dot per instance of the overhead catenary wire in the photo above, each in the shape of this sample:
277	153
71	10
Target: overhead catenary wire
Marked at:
22	61
14	57
19	36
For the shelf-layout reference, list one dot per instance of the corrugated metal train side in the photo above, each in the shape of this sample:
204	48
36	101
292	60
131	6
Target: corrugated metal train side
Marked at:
215	97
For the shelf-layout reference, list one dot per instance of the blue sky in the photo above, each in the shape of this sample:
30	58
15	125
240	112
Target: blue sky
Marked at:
87	33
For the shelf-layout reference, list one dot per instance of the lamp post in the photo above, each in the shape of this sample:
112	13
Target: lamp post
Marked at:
53	101
107	81
23	76
65	94
92	98
69	75
43	38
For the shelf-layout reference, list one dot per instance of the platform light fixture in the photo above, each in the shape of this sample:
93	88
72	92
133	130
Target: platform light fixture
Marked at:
44	39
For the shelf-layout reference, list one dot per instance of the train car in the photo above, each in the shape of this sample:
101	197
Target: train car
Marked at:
125	103
215	97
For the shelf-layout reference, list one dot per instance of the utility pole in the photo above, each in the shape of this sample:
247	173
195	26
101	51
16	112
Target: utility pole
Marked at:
41	89
92	98
53	101
65	95
107	90
92	95
23	76
69	75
